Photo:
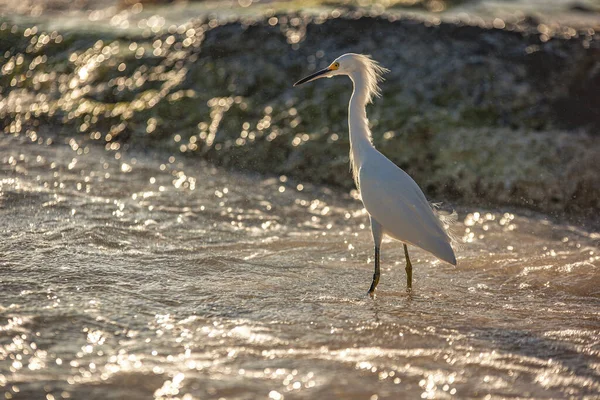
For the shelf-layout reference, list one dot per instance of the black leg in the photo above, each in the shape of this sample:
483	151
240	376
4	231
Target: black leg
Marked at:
376	274
408	270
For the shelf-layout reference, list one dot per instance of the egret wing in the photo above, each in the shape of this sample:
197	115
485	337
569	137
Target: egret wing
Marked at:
394	199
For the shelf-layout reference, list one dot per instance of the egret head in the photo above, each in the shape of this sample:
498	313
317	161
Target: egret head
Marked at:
356	66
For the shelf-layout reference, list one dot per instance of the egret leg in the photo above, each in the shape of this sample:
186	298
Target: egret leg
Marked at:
408	270
376	274
377	232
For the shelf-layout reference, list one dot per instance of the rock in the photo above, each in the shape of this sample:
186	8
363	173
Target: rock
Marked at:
480	114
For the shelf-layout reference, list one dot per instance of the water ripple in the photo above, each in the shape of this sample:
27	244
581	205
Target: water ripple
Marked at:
134	286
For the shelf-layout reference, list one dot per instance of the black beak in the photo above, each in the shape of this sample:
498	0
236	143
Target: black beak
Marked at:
311	77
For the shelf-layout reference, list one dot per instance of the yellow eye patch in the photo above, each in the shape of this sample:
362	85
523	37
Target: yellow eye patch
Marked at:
334	66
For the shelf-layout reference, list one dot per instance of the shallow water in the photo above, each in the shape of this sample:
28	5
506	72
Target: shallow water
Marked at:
147	276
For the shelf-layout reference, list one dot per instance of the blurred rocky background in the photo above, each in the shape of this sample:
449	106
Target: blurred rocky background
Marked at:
486	102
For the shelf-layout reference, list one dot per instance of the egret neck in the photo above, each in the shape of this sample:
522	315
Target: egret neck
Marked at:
358	124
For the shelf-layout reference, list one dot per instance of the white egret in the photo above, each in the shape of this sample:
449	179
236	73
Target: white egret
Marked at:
396	205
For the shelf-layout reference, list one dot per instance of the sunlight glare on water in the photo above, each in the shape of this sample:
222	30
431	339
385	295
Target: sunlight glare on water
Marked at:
140	276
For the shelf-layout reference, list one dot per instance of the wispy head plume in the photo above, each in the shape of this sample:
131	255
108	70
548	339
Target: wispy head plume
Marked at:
373	74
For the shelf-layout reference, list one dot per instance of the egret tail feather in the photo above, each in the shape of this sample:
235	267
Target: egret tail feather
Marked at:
449	220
